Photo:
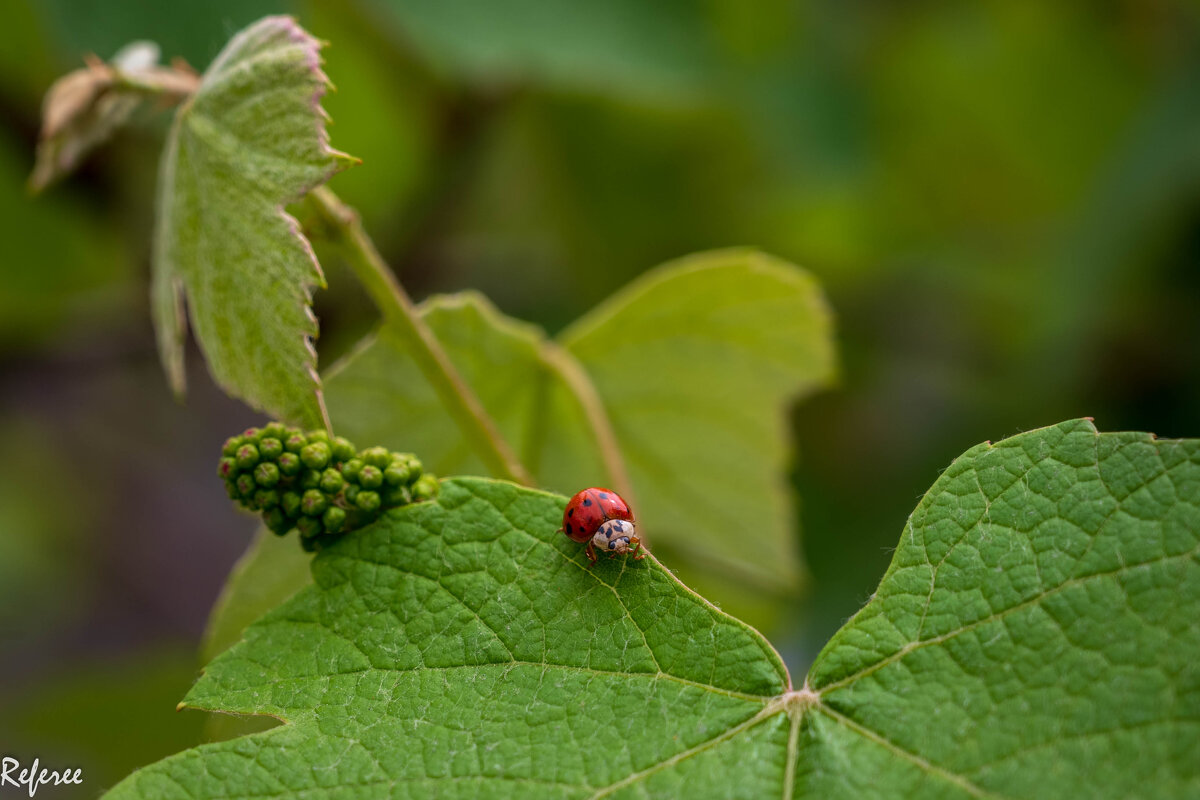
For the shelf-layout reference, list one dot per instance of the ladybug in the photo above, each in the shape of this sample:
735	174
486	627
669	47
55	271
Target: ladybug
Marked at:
602	519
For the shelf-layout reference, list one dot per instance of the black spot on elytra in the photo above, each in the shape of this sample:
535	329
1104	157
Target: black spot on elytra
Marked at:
587	501
603	496
570	512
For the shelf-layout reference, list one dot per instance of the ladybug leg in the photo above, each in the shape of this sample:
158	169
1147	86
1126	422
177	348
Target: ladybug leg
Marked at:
639	553
591	554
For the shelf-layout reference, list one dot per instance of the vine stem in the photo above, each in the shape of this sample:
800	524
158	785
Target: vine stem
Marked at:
401	315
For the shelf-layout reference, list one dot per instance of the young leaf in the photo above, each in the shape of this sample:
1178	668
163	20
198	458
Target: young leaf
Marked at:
251	139
84	108
378	395
697	364
693	368
1034	637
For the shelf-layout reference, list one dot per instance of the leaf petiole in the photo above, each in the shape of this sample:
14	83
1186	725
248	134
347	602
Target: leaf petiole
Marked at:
399	312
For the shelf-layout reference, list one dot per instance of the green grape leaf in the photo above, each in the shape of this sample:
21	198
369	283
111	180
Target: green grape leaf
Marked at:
697	364
706	355
251	139
1035	636
272	569
379	396
464	648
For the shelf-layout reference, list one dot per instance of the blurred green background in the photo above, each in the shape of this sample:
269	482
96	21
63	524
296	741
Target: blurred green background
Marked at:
1002	200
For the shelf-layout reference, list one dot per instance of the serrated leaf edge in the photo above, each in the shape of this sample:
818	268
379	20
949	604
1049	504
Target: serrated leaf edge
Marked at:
168	289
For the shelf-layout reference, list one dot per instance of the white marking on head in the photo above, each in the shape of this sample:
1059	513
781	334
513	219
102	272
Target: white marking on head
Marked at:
614	536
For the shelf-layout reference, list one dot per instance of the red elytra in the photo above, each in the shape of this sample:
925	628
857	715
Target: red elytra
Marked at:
588	510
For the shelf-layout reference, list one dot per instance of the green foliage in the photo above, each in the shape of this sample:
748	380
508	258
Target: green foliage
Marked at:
473	614
270	571
622	45
378	394
251	139
1033	637
826	140
695	367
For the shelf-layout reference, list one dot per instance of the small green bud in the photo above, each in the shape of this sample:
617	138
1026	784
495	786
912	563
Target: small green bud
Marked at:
397	496
270	448
251	434
247	456
289	463
232	490
308	527
310	479
397	473
231	445
332	481
277	521
370	477
368	501
227	468
295	441
351	469
266	474
414	463
274	430
427	487
290	503
333	519
313	503
315	455
351	493
343	450
376	457
318	435
246	485
266	498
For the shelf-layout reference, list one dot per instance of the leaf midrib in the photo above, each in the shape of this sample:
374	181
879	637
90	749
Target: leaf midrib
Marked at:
545	666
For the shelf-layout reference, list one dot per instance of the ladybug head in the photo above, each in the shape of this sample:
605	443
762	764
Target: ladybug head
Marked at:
626	544
616	536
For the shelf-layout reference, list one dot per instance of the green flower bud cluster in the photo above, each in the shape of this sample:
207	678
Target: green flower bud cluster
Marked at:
321	486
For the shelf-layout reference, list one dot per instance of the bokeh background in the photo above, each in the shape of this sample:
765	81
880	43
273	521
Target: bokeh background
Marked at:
1001	199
